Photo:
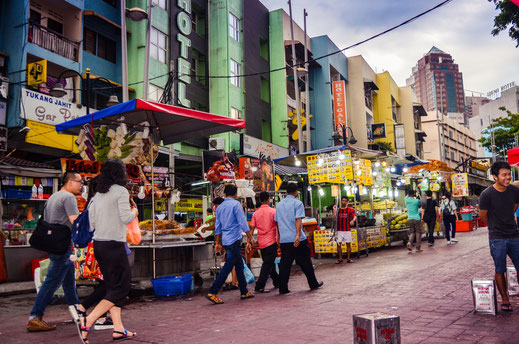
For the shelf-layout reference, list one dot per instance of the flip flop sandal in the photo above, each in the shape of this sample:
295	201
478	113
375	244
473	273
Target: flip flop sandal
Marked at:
506	307
214	299
249	295
262	290
124	336
81	329
349	261
338	261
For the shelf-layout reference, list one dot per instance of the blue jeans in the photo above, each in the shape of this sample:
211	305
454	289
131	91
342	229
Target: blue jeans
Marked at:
232	259
500	248
61	272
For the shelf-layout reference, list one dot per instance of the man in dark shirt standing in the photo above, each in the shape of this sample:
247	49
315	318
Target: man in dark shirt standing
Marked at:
429	214
498	204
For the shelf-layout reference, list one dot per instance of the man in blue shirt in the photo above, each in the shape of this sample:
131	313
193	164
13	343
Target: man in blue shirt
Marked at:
289	217
414	220
230	224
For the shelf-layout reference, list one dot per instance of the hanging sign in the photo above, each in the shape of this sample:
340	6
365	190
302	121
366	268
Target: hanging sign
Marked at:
334	167
378	130
37	72
339	103
460	185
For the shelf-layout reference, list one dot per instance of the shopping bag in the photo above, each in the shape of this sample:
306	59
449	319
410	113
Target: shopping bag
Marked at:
249	277
91	269
133	233
44	269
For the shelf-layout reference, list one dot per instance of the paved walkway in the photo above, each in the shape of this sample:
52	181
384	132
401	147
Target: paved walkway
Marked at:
430	291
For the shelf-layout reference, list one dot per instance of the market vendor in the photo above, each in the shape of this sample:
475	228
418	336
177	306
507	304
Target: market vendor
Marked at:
211	218
346	218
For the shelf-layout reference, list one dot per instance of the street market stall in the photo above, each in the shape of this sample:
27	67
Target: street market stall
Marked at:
130	131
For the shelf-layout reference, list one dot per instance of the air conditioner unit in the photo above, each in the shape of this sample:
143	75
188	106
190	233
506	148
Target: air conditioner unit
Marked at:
217	143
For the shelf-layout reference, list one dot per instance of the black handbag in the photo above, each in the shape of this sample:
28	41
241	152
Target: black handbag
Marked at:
52	238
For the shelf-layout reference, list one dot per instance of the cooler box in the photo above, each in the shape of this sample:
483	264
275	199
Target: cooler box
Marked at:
467	216
376	328
464	226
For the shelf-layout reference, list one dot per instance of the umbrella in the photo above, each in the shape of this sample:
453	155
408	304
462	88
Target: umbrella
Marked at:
513	156
169	123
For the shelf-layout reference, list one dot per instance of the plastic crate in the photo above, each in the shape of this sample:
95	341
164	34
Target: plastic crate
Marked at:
467	216
173	285
16	193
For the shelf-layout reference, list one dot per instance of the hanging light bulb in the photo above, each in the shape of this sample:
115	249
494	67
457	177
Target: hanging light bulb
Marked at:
398	183
384	163
341	156
388	169
440	178
390	193
298	162
393	169
321	192
309	188
402	180
375	173
405	170
346	188
396	192
377	163
141	193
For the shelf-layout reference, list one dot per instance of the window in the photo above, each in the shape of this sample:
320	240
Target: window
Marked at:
234	27
34	17
55	26
452	156
235	113
159	45
265	90
99	45
481	120
198	66
198	23
154	93
160	3
450	134
235	73
264	49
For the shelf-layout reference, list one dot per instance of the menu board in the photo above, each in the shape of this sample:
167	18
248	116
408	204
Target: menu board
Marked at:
334	167
362	172
460	185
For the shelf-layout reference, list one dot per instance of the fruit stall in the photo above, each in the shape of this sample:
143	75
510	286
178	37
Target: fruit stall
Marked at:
131	131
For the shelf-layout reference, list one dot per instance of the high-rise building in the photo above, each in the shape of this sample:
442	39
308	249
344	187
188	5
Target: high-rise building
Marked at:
438	84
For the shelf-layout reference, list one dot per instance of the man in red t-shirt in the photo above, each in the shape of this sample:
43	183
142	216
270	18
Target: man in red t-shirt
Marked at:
263	220
345	218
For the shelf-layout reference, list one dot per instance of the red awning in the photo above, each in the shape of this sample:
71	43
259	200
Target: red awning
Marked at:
513	156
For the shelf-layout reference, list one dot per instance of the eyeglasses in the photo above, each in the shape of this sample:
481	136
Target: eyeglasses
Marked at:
81	181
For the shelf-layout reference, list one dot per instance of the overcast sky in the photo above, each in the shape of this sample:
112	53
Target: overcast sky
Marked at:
460	28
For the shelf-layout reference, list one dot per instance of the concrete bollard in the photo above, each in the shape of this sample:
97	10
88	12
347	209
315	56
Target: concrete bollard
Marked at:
484	295
376	328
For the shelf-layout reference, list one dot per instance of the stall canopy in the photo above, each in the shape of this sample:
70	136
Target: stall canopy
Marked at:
169	123
513	156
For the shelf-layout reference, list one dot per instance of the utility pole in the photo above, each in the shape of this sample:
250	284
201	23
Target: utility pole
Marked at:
124	48
296	84
146	82
307	92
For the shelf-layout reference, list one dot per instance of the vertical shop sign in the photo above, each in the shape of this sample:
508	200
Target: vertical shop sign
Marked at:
183	65
399	139
339	103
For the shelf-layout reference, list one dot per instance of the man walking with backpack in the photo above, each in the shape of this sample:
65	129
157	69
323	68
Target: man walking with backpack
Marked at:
61	208
429	214
448	210
497	205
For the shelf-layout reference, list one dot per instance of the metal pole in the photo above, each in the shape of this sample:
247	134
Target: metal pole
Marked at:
171	207
442	147
124	50
307	92
87	72
147	55
296	84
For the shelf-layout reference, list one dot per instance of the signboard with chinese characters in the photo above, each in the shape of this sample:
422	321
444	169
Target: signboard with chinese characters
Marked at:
339	103
460	185
257	148
3	139
333	167
46	109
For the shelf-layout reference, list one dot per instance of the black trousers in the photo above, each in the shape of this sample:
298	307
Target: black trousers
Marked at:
97	295
431	223
115	267
268	268
301	254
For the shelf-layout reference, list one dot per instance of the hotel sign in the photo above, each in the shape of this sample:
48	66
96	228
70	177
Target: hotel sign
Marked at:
339	103
183	64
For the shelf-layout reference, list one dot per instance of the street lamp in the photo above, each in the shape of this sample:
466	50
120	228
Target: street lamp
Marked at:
58	90
345	140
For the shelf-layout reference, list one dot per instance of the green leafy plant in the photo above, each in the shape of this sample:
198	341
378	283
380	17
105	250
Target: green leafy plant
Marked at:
508	17
385	146
505	130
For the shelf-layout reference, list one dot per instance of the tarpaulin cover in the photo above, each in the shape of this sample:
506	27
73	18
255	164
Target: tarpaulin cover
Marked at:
171	123
513	156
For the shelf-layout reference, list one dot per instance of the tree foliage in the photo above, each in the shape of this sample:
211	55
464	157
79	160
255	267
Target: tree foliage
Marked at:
508	17
505	129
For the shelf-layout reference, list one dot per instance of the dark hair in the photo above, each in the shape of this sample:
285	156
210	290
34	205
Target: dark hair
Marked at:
264	196
113	172
230	190
411	193
210	210
68	176
345	197
499	165
291	188
448	195
92	187
218	201
428	193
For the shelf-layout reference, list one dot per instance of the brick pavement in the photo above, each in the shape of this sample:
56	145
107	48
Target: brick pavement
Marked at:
430	291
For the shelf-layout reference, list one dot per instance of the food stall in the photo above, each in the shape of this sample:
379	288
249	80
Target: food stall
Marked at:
125	131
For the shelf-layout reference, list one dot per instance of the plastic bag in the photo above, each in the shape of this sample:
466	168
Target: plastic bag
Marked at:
133	233
91	269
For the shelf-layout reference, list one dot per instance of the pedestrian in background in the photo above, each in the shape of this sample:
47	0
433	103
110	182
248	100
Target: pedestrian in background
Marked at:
263	221
414	220
450	215
345	219
516	183
109	214
61	208
429	214
230	224
289	217
498	204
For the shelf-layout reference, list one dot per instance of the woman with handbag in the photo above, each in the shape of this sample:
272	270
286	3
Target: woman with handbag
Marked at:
448	210
109	214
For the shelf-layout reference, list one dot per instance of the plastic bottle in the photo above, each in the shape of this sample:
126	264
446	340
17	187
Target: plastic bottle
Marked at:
34	193
40	191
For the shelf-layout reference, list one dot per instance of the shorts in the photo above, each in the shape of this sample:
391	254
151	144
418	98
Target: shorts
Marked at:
344	236
500	248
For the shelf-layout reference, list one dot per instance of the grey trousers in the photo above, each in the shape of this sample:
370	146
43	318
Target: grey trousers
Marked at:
415	230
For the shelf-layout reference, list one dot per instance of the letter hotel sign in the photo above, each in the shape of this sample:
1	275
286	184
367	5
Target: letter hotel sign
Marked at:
339	103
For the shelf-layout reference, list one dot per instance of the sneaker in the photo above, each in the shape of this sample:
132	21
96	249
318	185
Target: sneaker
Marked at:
448	242
39	325
74	312
105	324
454	240
431	244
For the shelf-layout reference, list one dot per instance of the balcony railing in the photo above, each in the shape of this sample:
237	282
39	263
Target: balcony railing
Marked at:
53	41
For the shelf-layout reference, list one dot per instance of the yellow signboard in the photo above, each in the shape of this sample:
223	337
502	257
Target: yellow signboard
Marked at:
362	172
460	185
334	167
45	135
37	72
189	205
